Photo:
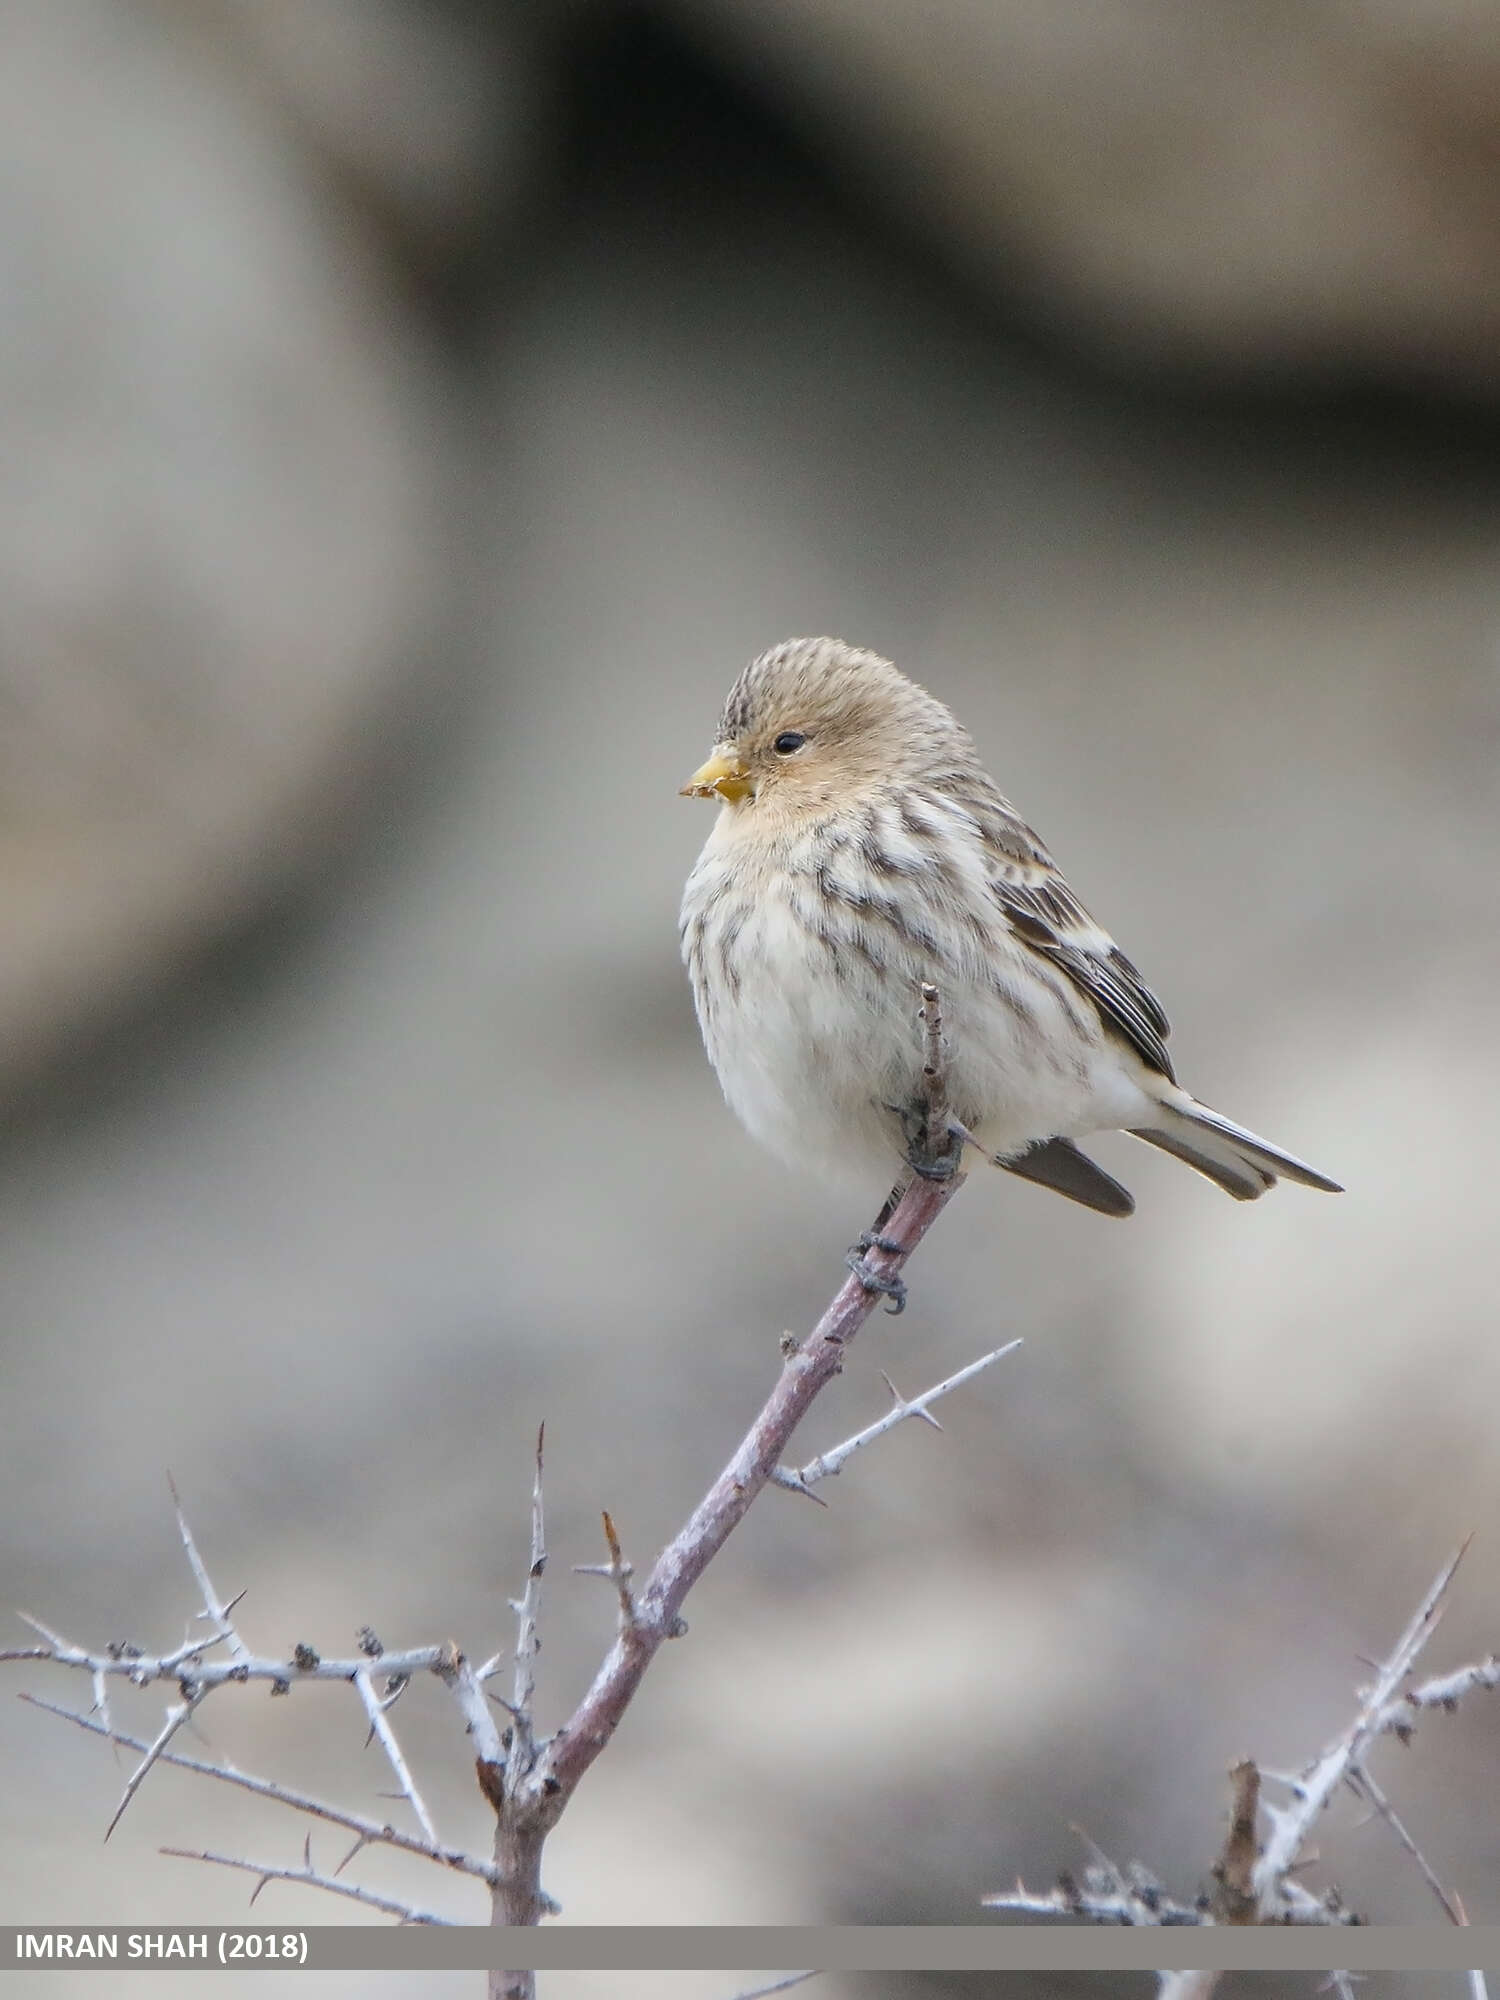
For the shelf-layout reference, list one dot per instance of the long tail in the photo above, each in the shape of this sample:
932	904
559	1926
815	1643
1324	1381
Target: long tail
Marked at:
1241	1162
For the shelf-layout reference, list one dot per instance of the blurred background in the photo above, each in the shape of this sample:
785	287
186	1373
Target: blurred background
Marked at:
416	413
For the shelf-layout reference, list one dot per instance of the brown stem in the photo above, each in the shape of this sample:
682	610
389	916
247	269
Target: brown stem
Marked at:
517	1897
533	1808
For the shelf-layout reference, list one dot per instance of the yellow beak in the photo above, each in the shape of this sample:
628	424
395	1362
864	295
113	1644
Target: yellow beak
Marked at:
724	776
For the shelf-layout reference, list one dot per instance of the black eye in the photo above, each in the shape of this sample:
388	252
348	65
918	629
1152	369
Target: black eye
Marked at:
788	741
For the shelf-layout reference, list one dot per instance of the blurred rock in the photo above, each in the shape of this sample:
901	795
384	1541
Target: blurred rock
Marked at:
424	109
217	507
1209	186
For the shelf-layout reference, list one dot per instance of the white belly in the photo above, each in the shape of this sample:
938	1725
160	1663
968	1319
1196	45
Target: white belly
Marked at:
811	1020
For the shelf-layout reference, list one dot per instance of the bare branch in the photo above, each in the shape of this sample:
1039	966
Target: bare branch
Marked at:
1259	1886
935	1138
177	1714
808	1368
1314	1787
310	1878
215	1611
197	1676
617	1570
1186	1985
1233	1901
527	1782
1106	1894
1102	1897
371	1832
1363	1783
522	1752
188	1662
1399	1717
479	1718
375	1708
832	1461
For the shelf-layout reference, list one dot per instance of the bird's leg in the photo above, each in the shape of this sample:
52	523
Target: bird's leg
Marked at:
875	1239
923	1156
934	1150
937	1167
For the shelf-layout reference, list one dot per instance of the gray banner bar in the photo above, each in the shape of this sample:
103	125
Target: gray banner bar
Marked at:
668	1948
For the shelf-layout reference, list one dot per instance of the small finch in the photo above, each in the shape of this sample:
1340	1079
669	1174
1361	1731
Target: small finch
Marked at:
862	849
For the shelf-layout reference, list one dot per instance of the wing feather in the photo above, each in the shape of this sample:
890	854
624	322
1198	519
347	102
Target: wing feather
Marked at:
1045	914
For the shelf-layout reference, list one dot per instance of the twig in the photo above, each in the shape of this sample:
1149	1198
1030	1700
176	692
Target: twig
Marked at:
531	1796
1186	1985
935	1136
617	1570
142	1669
1233	1901
1315	1786
528	1782
215	1610
808	1369
1260	1886
375	1708
1399	1717
1100	1898
197	1676
101	1709
1106	1894
176	1716
310	1878
462	1682
527	1607
371	1832
1362	1782
832	1461
518	1897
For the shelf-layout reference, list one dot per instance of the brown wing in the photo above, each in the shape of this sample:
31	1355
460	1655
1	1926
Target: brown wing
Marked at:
1043	911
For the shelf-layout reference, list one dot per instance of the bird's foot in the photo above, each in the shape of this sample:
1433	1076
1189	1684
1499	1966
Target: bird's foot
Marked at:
893	1289
932	1166
922	1153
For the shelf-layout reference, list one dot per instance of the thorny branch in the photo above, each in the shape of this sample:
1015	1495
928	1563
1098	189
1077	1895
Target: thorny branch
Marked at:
311	1878
832	1461
651	1614
1255	1882
369	1832
1233	1898
616	1570
197	1676
526	1779
1312	1790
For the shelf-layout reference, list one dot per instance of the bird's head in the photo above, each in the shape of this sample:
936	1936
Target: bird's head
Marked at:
815	722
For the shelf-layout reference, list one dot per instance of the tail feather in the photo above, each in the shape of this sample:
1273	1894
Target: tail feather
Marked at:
1239	1161
1058	1164
1244	1183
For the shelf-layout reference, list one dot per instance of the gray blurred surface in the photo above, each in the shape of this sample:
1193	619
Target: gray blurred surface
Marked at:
1196	181
436	1155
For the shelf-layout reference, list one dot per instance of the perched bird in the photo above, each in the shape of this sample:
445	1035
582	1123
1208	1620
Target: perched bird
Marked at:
860	849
